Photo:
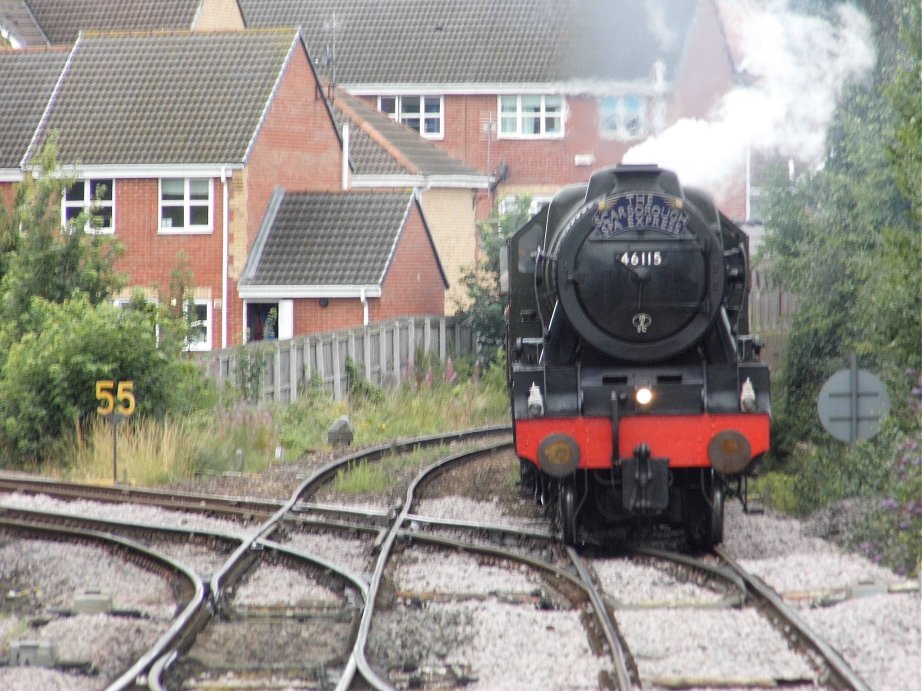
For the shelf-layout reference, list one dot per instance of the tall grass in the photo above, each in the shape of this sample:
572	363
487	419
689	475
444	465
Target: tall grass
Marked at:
429	400
150	452
237	435
155	452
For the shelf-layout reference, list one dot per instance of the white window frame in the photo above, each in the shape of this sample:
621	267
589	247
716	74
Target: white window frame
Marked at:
398	108
187	204
204	345
122	303
88	203
617	116
512	122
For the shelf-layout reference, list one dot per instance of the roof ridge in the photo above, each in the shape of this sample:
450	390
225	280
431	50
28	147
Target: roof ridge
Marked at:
380	139
33	50
159	33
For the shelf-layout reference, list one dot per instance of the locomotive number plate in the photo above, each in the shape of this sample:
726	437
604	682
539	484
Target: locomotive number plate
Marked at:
641	258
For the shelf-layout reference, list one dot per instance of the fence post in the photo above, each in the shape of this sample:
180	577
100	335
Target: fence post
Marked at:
442	339
337	369
277	371
308	371
397	350
366	348
411	340
292	370
321	367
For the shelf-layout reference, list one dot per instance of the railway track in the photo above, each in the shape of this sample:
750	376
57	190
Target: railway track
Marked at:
306	536
188	589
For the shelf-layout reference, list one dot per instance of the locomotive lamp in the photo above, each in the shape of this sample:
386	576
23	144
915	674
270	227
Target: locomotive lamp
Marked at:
535	401
643	396
748	396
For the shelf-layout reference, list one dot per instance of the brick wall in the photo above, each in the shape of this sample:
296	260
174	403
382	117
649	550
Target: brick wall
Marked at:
297	148
413	284
413	287
340	313
6	194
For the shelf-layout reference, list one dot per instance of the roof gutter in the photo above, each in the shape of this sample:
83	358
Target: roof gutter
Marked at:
133	171
479	182
288	292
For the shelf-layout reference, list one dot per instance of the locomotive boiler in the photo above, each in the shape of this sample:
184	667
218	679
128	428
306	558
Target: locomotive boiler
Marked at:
637	395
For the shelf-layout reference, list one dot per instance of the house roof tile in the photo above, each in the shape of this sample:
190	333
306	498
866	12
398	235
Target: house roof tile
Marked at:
27	79
166	98
439	42
328	239
61	22
381	146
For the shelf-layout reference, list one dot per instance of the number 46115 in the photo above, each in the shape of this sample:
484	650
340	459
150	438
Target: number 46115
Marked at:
108	394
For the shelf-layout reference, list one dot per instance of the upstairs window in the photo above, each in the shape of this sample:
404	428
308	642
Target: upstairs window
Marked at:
623	117
93	197
529	117
422	113
185	205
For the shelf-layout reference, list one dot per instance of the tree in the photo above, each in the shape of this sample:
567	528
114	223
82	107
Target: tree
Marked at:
40	259
845	239
48	384
60	332
484	314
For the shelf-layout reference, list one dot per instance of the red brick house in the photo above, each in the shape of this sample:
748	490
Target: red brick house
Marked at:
181	159
384	154
338	260
520	96
539	93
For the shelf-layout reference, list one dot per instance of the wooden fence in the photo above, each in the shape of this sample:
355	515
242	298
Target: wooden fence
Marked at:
381	352
771	312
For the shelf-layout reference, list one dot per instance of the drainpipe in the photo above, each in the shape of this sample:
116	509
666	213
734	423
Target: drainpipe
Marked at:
345	173
364	306
225	252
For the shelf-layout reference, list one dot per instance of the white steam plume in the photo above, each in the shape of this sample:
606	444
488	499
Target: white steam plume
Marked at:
797	65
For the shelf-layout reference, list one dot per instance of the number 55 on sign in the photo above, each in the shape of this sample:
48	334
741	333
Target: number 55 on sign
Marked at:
108	394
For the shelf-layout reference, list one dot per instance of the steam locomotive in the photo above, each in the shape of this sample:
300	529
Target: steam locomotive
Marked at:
638	399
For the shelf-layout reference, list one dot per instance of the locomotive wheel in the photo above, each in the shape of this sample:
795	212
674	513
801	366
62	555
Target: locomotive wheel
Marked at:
566	512
716	526
704	520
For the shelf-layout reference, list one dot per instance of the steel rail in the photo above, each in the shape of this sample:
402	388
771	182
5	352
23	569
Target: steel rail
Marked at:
371	675
582	580
117	527
841	674
193	608
167	499
155	676
246	507
238	560
482	526
622	673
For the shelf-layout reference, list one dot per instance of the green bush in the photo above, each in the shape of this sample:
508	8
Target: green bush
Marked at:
51	373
